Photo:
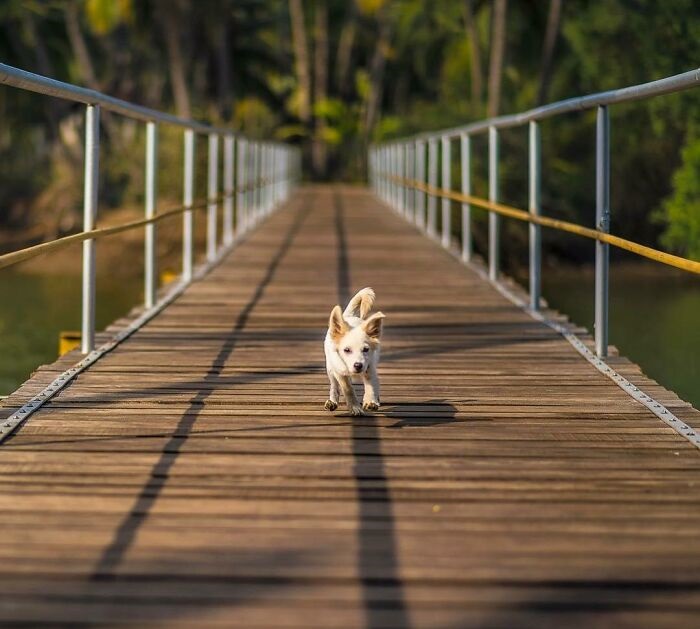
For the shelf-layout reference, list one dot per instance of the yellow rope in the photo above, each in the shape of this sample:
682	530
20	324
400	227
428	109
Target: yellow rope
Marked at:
572	228
14	257
60	243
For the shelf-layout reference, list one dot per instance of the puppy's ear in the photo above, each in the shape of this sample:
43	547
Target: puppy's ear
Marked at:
373	326
337	325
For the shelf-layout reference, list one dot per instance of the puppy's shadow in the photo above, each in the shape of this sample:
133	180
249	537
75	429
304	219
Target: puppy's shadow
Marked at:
420	414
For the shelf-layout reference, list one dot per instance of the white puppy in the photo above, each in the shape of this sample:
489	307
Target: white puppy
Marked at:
352	350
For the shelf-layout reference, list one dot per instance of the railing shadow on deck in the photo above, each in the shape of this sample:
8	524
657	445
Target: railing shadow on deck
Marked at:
368	463
126	533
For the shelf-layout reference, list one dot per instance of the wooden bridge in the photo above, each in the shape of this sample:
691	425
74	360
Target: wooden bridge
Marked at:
191	478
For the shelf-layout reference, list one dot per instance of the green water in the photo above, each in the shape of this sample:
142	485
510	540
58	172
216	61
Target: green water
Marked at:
35	308
654	318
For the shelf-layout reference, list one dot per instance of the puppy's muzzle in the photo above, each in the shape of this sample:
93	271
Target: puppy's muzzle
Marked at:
358	367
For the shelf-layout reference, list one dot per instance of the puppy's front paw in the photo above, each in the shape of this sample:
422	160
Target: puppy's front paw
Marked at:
355	410
370	405
330	405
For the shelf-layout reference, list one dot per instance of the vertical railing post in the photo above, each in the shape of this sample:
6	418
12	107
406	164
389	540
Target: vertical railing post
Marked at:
466	177
387	173
602	215
241	224
446	186
270	151
250	184
279	174
392	173
187	201
494	252
373	171
91	182
376	171
258	182
420	177
402	173
229	148
252	174
212	191
397	173
406	174
410	190
535	187
271	178
246	187
255	193
262	184
265	159
432	182
385	170
150	258
266	179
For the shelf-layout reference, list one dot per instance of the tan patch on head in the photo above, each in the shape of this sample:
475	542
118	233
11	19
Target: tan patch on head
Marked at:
373	326
337	325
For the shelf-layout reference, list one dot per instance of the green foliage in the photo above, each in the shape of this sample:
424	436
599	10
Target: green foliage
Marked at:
105	15
681	211
250	83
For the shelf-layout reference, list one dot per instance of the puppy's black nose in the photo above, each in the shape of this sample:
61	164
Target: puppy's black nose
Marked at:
358	367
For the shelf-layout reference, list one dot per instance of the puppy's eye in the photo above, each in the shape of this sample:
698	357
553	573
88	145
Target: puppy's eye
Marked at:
347	350
365	350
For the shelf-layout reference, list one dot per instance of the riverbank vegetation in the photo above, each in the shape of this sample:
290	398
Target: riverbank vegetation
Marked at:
335	75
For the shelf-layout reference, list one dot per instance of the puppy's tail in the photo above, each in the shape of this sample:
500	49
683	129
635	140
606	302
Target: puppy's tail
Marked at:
361	304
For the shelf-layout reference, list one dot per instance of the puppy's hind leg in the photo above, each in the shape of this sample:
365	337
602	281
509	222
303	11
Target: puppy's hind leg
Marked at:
334	393
370	400
350	397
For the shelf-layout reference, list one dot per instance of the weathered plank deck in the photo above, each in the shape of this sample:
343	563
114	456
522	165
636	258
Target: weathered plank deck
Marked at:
191	478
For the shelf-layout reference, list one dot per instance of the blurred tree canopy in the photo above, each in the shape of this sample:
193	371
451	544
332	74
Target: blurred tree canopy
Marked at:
335	75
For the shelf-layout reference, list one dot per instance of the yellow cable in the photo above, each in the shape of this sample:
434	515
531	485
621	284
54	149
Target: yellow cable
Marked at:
572	228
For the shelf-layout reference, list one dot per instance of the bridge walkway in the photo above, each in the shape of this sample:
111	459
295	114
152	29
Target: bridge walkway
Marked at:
191	477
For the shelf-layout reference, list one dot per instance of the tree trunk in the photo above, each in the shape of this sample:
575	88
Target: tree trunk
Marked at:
78	45
54	107
498	45
224	70
476	71
376	73
171	23
301	59
320	148
550	40
345	46
84	60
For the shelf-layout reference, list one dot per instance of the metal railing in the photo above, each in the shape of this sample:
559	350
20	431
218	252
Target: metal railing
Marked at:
399	174
257	176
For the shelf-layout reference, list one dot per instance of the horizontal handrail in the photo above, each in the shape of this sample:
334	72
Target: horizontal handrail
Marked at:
565	226
51	87
676	83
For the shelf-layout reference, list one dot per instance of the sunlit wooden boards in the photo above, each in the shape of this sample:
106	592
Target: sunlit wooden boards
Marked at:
191	478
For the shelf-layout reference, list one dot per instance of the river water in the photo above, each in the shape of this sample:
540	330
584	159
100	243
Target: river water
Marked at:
35	308
654	317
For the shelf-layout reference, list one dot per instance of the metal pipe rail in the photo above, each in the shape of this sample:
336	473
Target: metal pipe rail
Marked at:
257	177
400	166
